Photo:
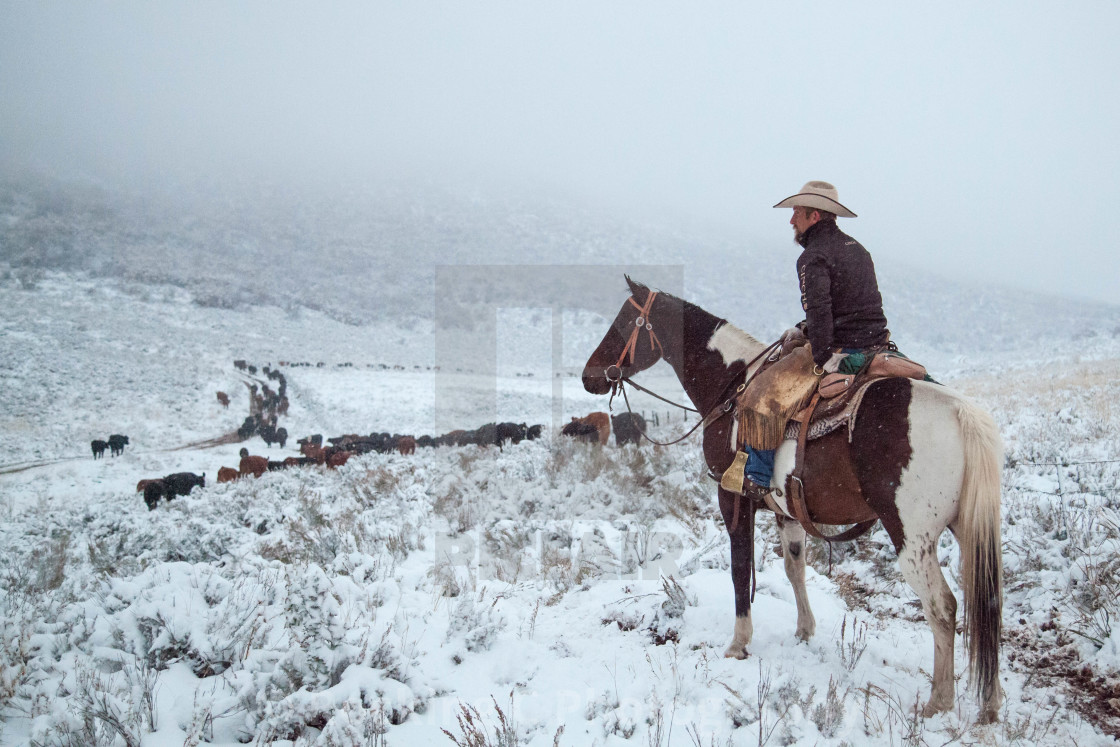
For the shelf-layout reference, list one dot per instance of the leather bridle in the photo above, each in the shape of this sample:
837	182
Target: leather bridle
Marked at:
631	346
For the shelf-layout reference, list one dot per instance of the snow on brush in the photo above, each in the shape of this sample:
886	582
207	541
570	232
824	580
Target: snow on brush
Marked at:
547	593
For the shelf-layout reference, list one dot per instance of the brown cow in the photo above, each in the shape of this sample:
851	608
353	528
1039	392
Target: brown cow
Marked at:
406	445
227	474
602	423
224	399
253	465
310	450
144	483
338	458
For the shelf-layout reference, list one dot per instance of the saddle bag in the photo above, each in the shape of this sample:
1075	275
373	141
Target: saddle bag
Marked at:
834	384
894	364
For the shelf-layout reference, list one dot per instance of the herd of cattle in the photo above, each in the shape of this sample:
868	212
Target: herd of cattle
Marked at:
267	405
593	428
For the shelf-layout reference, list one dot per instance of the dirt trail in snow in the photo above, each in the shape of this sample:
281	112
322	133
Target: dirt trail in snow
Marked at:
206	443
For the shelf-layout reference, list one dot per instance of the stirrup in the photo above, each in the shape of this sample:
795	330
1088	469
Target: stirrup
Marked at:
752	489
735	479
735	475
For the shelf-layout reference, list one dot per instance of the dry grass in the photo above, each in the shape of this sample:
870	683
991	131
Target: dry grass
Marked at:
1078	377
475	732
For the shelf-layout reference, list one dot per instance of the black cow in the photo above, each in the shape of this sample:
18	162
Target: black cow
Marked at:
282	436
248	428
534	432
512	432
628	428
153	491
181	483
314	440
581	431
98	446
385	442
382	443
268	433
486	435
117	443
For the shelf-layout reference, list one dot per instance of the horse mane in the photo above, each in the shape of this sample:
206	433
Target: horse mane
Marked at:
634	285
730	330
727	329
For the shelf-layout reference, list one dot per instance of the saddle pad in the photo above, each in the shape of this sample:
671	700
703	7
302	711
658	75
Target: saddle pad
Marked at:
832	414
819	427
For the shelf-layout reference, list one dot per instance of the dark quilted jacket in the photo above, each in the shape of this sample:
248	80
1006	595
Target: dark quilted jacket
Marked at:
839	292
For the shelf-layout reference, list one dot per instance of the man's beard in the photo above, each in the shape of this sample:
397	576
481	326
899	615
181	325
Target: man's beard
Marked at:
798	237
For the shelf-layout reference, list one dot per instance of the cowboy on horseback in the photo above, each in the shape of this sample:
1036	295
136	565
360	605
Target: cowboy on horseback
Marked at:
920	458
843	317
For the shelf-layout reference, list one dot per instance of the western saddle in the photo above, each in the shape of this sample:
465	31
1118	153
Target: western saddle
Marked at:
834	400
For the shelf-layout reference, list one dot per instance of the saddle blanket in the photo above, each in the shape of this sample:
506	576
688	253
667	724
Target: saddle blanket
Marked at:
831	414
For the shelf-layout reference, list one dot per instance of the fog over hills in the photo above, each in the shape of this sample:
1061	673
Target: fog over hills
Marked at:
371	253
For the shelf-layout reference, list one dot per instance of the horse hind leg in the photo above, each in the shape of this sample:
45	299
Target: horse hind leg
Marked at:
793	550
918	562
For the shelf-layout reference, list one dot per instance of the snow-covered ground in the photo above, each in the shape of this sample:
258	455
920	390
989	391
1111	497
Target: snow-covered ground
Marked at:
549	593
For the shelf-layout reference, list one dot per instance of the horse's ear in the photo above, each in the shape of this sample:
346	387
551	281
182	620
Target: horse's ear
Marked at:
635	288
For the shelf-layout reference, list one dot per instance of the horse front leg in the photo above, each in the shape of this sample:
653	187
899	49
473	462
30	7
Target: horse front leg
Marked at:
793	551
742	560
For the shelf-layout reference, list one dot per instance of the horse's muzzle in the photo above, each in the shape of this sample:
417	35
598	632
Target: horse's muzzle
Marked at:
596	381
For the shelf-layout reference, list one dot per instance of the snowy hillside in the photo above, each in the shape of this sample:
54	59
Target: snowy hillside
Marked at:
549	593
371	253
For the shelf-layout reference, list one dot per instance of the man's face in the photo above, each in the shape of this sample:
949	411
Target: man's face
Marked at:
803	217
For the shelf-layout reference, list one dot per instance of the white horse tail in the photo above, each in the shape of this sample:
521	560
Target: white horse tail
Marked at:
978	531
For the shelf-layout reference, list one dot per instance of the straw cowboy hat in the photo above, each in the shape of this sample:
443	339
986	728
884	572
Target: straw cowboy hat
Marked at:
818	195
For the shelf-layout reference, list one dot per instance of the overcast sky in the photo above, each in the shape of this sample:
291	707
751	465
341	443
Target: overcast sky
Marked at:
974	138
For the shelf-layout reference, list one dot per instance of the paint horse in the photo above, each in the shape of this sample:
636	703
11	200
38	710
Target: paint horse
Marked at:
921	458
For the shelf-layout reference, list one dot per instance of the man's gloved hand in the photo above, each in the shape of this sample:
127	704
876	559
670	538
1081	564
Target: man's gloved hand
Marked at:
792	334
792	338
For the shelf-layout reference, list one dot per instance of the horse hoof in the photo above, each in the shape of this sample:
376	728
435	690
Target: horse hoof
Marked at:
930	709
735	651
804	634
987	716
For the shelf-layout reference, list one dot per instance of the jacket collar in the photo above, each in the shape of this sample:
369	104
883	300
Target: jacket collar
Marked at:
818	230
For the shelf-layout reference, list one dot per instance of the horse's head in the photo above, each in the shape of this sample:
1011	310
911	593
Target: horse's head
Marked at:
634	341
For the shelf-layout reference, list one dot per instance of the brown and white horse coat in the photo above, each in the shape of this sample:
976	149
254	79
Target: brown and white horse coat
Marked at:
921	458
